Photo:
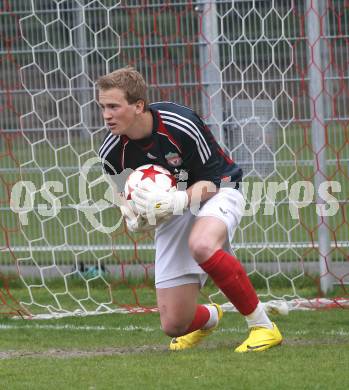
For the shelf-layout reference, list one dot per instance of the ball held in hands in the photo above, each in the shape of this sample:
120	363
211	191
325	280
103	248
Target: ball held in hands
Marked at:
151	192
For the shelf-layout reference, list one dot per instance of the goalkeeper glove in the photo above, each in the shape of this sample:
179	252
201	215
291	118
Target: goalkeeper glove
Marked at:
159	203
135	223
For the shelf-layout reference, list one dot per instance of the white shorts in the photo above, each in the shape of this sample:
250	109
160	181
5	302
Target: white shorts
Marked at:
174	265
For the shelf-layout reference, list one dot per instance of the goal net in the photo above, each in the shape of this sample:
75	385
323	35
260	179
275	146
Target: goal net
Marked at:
270	78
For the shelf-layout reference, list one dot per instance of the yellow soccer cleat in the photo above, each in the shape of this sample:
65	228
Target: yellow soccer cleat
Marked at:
260	339
192	339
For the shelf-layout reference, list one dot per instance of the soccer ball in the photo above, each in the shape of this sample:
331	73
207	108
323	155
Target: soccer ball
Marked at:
157	176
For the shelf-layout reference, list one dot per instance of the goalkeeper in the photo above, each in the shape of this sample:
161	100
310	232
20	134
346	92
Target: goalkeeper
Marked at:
195	241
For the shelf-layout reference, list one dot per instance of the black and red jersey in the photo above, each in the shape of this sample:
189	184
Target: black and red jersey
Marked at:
180	142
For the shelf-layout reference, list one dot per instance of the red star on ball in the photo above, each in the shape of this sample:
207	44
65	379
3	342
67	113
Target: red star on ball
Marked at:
150	173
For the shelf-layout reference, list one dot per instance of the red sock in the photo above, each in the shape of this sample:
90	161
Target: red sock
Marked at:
230	276
202	315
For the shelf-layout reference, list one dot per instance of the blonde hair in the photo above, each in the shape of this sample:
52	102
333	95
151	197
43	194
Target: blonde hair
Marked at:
127	79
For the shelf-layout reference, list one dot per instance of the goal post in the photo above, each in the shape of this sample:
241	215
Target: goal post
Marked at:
269	78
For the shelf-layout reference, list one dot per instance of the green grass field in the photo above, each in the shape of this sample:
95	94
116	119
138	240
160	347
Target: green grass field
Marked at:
130	352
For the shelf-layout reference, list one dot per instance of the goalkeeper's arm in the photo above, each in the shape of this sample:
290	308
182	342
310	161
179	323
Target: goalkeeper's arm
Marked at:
200	192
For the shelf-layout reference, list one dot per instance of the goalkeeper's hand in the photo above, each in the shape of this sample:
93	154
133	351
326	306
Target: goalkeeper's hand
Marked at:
159	203
135	222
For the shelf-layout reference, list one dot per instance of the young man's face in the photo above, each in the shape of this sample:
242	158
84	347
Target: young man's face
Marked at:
118	114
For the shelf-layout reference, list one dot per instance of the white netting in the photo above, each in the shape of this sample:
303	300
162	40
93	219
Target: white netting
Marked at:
269	86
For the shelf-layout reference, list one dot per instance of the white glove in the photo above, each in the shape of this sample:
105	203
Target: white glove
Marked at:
159	204
135	222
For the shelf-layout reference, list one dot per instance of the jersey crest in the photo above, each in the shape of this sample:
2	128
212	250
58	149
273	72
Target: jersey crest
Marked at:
173	159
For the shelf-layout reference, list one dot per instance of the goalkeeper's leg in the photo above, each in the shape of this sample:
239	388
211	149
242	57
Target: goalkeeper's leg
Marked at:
183	319
206	241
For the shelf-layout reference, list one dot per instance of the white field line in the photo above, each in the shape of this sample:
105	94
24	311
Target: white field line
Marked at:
131	328
333	332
